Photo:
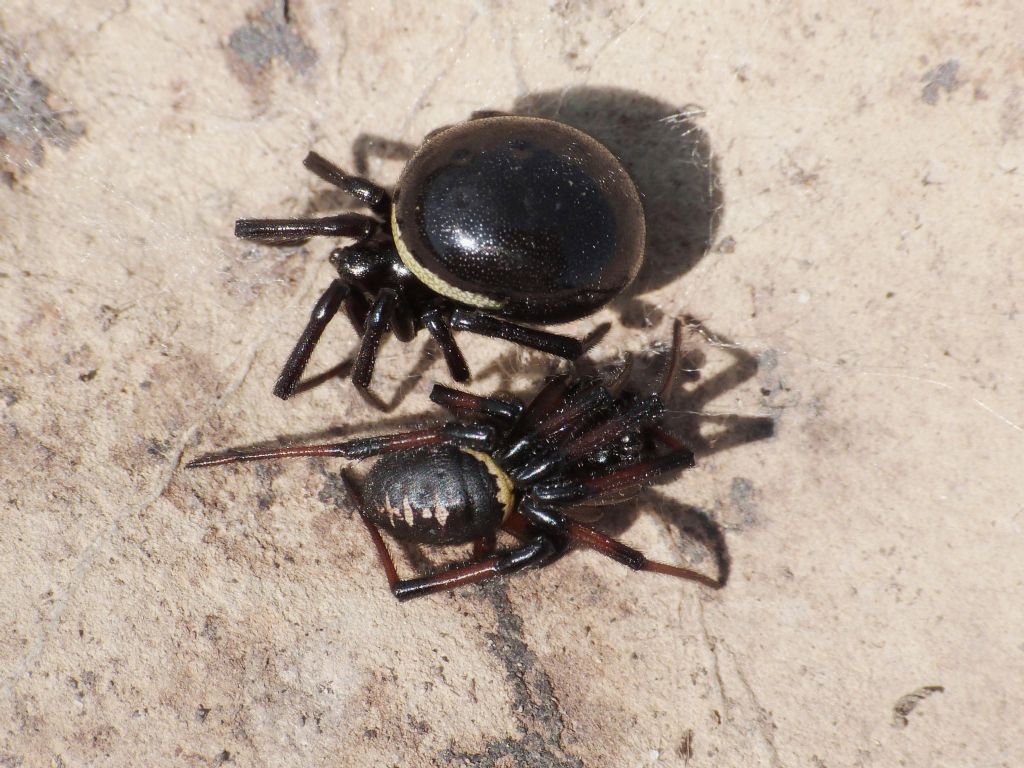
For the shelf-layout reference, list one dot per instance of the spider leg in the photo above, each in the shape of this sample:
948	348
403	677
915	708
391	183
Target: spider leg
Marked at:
477	322
376	324
563	425
356	309
458	402
440	329
572	491
534	552
285	231
665	438
538	550
584	405
477	436
547	400
621	378
403	324
548	518
640	414
372	195
323	312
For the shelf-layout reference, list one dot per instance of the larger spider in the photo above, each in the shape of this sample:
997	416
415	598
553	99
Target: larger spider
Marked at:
496	219
507	467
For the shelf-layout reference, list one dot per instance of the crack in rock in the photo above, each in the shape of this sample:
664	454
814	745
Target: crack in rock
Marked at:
541	721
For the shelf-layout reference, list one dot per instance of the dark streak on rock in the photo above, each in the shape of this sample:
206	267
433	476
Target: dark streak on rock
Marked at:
27	121
266	38
942	77
540	719
742	494
685	748
333	492
906	704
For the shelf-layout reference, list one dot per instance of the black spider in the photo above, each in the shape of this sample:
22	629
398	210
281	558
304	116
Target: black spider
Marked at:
501	218
507	467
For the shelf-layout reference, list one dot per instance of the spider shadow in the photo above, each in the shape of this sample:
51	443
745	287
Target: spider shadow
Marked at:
686	409
670	158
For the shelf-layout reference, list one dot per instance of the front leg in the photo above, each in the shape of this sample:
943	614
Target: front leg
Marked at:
288	231
459	402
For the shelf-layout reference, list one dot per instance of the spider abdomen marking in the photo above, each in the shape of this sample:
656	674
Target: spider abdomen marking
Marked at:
439	494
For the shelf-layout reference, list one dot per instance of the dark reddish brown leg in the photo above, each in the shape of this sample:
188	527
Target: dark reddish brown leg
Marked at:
574	491
479	436
559	426
536	551
587	405
616	550
459	402
547	518
640	414
544	402
378	541
666	438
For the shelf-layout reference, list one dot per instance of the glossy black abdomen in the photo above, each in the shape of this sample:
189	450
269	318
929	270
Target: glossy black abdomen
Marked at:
535	216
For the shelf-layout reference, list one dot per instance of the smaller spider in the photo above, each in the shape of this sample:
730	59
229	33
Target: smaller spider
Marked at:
506	467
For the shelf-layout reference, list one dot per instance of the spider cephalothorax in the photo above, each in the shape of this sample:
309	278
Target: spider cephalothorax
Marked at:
496	221
503	466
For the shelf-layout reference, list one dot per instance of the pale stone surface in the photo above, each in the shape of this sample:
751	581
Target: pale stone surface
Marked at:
836	195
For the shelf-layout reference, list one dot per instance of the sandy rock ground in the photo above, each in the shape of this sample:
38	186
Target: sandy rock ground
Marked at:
835	208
